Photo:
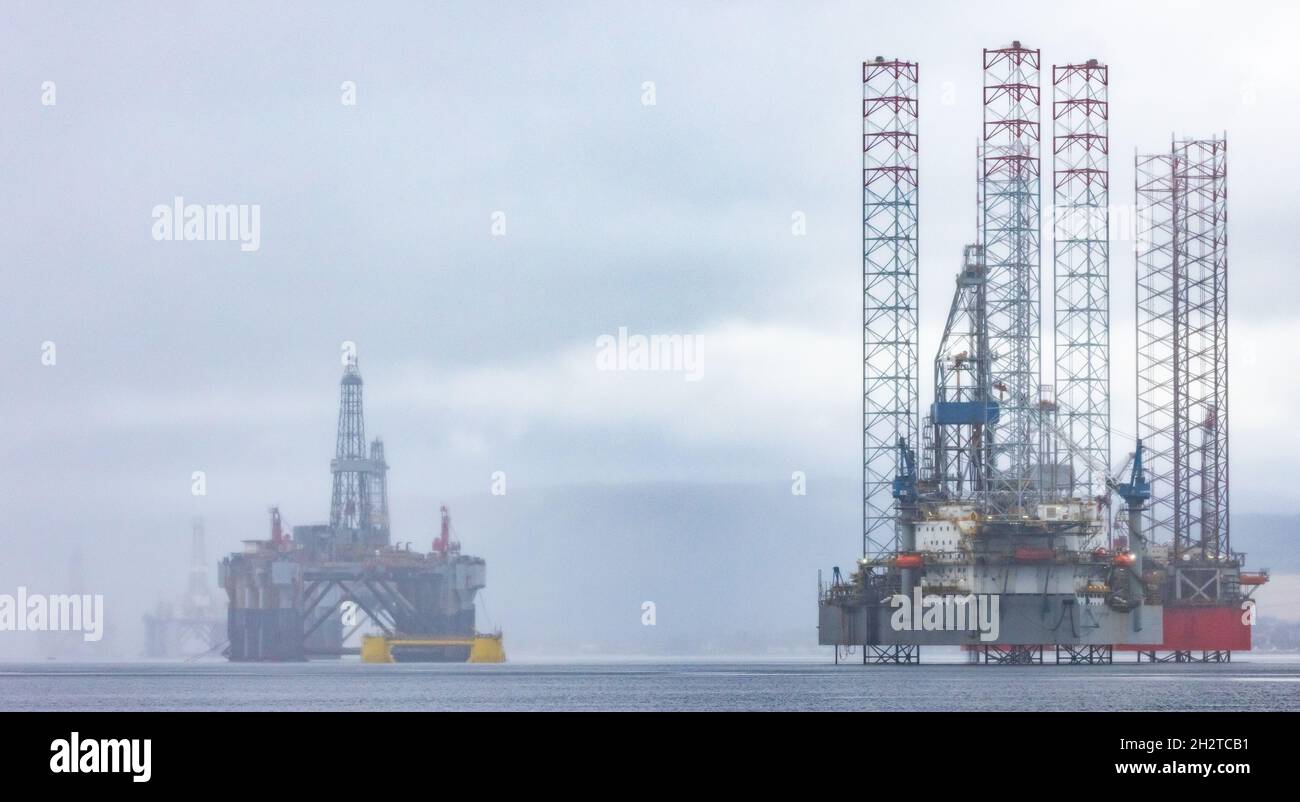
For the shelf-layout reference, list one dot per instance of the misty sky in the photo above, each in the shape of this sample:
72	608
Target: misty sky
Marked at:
478	351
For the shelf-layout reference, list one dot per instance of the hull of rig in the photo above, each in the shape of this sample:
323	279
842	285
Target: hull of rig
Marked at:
993	520
293	597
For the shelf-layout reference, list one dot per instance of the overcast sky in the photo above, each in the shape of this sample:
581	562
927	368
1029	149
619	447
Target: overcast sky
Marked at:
478	351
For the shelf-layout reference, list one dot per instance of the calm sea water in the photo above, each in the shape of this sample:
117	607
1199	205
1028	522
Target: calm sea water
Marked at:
349	685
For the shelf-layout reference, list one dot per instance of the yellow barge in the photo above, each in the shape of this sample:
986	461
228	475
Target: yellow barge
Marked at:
478	649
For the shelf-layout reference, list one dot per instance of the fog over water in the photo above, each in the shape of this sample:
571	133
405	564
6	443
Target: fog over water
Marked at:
498	198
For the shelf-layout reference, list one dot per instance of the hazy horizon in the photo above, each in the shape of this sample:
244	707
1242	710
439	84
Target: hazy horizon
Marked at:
496	198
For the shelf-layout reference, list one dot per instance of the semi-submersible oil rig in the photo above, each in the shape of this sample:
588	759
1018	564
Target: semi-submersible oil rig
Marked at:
306	595
1010	536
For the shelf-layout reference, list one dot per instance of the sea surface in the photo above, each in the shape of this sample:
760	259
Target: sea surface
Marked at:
647	685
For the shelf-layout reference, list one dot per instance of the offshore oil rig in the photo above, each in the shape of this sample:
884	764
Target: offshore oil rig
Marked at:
193	625
305	595
1011	536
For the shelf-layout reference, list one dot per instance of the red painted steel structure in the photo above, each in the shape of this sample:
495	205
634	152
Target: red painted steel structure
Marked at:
1192	629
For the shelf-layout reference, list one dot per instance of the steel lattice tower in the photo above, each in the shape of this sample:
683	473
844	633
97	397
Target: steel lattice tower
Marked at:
1081	249
379	484
200	588
1010	220
890	394
1155	337
350	506
1182	301
1200	294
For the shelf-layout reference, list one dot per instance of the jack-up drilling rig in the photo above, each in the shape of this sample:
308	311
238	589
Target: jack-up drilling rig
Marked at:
999	541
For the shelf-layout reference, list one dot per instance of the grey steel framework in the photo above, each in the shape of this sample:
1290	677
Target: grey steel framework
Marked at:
979	193
898	655
350	505
960	441
1182	366
1081	250
379	484
195	622
1010	221
1067	654
1006	655
889	281
1185	656
1200	293
1155	337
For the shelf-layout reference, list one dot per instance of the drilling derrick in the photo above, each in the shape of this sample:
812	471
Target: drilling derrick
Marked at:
1010	236
964	408
350	508
1081	182
889	282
